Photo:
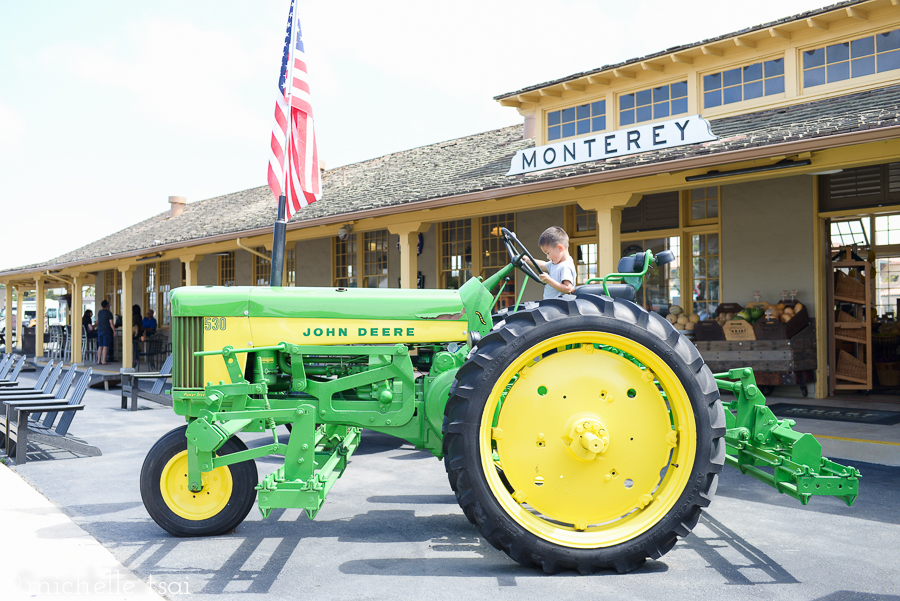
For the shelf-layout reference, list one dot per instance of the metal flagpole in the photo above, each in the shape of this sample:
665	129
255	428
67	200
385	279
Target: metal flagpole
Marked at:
280	229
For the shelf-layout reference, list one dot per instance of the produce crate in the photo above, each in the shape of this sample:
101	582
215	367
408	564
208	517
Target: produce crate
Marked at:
709	330
775	329
738	329
764	356
888	373
728	308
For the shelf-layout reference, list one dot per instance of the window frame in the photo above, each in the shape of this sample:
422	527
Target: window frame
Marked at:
227	267
744	103
478	267
617	100
590	118
850	82
359	258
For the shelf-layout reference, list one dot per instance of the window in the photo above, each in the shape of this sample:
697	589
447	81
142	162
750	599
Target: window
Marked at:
653	103
576	120
456	253
705	258
151	292
856	231
494	254
704	205
375	259
372	255
262	268
110	293
662	285
743	83
581	226
290	267
345	266
856	58
164	317
226	269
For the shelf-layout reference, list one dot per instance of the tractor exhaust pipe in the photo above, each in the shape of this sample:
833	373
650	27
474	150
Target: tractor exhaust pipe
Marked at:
278	237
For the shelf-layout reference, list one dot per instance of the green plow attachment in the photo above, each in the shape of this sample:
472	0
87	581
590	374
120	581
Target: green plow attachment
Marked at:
767	448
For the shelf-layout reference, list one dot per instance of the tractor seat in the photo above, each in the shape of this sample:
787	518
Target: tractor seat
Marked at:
624	291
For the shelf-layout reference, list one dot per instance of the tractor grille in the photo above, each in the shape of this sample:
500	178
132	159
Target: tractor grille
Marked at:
187	370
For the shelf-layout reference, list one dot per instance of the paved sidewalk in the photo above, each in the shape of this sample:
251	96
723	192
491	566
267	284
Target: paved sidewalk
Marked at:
47	556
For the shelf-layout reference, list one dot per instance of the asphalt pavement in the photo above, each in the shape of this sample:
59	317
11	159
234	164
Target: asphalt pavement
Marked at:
391	529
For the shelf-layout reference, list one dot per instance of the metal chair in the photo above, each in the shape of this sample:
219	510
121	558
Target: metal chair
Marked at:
88	346
67	344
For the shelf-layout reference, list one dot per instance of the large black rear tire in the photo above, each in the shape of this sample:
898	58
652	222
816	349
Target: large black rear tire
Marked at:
626	485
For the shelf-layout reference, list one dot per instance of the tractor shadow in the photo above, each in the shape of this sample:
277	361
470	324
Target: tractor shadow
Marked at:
258	554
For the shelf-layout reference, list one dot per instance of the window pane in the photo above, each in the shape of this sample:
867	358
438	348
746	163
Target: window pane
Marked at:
753	72
553	133
679	106
598	108
813	58
712	207
643	97
679	90
661	110
838	72
598	124
733	95
775	85
862	47
568	129
584	127
863	66
553	118
731	77
712	82
889	40
753	90
889	61
838	52
583	111
626	117
698	210
814	77
644	113
568	114
660	94
626	101
775	67
712	99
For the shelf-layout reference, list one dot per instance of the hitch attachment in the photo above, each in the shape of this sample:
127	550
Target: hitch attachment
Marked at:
757	441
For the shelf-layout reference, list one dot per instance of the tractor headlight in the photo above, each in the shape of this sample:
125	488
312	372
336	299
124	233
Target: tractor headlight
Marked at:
473	338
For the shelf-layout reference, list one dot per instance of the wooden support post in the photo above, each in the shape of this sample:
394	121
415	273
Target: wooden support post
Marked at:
191	269
409	241
8	324
127	301
20	298
609	223
41	292
77	312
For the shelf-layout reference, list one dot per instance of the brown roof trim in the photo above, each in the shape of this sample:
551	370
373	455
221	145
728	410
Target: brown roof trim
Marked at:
710	160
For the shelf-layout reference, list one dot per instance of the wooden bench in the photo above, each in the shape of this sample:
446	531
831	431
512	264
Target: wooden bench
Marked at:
19	428
131	385
12	377
44	385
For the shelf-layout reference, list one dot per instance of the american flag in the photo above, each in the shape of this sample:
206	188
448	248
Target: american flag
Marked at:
294	156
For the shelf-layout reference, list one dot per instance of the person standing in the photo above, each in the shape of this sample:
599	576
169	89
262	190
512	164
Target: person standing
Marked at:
106	331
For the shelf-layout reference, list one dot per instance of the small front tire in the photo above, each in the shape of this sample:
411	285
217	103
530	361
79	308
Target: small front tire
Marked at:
226	498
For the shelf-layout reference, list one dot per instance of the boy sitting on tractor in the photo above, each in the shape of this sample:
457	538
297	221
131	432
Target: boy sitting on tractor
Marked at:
558	274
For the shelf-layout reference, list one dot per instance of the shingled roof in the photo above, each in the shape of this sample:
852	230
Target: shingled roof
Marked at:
478	163
634	61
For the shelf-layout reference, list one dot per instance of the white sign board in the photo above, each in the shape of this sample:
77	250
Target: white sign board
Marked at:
682	131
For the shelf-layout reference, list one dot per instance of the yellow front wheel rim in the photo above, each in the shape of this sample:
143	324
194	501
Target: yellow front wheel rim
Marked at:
212	498
595	436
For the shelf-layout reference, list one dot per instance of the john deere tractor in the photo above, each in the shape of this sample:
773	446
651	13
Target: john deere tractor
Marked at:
582	432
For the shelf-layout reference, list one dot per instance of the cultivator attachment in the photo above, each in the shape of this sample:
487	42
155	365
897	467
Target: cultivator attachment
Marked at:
762	446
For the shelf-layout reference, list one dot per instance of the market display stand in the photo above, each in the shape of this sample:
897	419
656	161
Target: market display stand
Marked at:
849	323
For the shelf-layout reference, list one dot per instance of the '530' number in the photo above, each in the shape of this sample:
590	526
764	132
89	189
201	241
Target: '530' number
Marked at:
213	323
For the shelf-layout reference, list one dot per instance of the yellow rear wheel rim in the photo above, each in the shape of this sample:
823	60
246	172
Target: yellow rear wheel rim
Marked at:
616	476
204	504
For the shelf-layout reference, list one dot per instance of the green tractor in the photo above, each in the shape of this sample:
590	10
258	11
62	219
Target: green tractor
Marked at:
582	432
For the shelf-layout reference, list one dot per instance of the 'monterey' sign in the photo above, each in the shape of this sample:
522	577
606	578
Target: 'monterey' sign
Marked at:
596	147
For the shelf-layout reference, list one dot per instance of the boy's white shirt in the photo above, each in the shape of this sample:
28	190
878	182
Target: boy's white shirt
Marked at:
562	271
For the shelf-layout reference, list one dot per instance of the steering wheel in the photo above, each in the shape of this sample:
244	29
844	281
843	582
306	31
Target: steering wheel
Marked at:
517	256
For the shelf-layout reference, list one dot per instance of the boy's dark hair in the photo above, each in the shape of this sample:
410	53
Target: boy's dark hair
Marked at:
104	304
552	236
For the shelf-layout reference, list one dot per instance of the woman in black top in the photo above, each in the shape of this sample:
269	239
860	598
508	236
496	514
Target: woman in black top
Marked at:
87	322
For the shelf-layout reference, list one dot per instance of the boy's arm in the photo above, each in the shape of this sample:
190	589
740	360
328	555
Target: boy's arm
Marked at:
566	286
542	265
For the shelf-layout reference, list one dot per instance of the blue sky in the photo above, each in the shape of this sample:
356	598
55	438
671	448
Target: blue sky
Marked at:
109	107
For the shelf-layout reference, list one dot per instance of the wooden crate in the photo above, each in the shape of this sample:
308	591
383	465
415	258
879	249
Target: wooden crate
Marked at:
771	356
738	329
776	329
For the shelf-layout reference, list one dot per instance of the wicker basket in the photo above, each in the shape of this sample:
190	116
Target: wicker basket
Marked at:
854	333
850	367
888	373
844	317
848	287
